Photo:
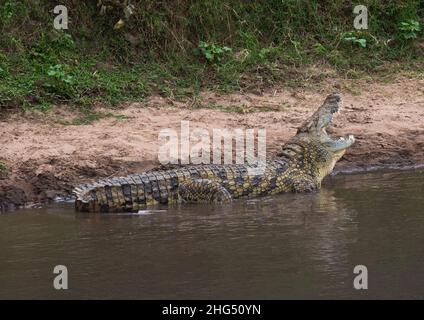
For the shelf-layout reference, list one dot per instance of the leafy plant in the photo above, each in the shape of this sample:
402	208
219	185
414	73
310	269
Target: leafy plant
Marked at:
409	29
354	39
319	48
58	73
211	52
59	81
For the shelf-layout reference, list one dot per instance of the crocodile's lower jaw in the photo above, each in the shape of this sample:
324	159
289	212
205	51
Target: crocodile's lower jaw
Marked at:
341	143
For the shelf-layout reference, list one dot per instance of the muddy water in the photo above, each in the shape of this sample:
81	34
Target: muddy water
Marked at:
288	246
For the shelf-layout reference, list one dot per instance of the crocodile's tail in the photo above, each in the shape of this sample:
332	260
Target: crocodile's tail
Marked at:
84	201
110	195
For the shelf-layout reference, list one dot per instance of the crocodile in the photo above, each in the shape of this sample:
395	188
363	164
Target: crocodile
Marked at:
301	165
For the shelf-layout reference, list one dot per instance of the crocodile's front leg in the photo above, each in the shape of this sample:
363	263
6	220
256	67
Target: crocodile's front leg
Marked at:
203	190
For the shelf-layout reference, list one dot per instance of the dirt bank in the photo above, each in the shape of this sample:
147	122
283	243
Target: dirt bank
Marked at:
45	159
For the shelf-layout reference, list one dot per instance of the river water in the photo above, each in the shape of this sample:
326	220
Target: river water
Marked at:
282	247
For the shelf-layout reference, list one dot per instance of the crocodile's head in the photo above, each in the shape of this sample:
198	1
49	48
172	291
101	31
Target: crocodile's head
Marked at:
324	150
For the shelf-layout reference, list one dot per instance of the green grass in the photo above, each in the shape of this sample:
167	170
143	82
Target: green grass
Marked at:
244	109
179	49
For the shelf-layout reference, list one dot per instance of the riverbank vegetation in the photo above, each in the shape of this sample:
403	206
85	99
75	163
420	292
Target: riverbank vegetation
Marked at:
178	48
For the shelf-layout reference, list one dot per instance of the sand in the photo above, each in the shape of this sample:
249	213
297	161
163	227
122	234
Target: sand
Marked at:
46	159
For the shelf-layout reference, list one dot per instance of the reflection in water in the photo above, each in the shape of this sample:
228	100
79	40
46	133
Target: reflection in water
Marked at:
287	246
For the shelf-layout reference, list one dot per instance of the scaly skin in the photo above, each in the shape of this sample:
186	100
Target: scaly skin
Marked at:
301	166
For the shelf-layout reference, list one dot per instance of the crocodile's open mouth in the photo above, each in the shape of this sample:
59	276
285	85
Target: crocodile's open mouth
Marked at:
316	125
330	108
339	143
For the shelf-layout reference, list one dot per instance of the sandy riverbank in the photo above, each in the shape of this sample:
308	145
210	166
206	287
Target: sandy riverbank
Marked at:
46	159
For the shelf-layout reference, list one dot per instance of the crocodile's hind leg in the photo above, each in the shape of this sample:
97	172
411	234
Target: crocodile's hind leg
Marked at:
203	190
